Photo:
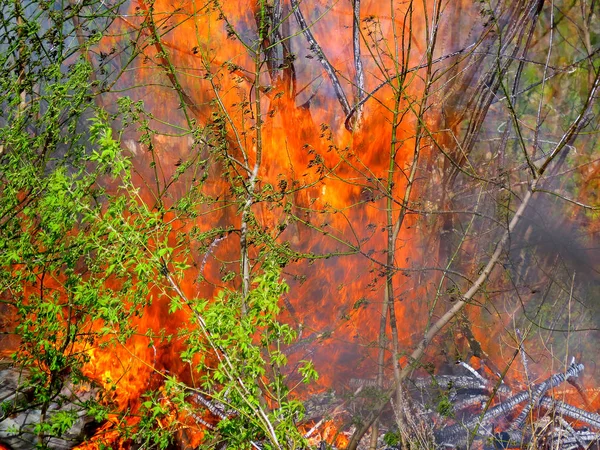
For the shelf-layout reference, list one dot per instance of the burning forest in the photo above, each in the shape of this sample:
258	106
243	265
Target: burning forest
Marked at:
299	224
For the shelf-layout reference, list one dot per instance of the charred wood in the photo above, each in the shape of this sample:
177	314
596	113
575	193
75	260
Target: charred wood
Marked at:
468	402
214	407
478	426
461	384
450	381
572	412
462	433
537	393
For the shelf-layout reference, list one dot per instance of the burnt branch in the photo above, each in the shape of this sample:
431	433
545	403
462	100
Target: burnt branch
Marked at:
368	95
359	78
572	412
318	51
541	389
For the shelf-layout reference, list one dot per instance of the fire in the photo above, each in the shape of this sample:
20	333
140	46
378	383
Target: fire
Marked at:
107	436
300	142
327	431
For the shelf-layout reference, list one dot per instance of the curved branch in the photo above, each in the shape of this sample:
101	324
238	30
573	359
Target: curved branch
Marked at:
318	51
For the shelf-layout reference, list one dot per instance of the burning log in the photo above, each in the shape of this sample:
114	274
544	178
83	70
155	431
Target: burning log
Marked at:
541	389
564	409
481	425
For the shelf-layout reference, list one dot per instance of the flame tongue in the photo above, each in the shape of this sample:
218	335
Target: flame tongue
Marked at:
327	431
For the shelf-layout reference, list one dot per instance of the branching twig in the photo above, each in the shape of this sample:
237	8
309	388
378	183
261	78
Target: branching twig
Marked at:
318	51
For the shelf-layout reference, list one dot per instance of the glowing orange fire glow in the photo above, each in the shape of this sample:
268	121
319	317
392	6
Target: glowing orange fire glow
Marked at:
107	436
338	307
294	137
327	431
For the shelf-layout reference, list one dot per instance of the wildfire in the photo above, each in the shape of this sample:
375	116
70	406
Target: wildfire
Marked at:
315	138
109	435
335	184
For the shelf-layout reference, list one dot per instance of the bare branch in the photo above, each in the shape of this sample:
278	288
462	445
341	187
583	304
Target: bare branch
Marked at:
318	51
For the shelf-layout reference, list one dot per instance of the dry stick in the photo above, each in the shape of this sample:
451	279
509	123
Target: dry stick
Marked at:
539	121
523	358
167	65
359	79
369	95
487	85
318	51
382	341
271	41
85	52
277	19
581	391
394	229
250	183
388	306
22	54
392	235
531	15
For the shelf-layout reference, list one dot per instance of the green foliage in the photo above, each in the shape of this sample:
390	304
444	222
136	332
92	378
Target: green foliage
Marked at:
67	267
58	425
444	406
68	275
147	433
249	374
390	438
81	253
